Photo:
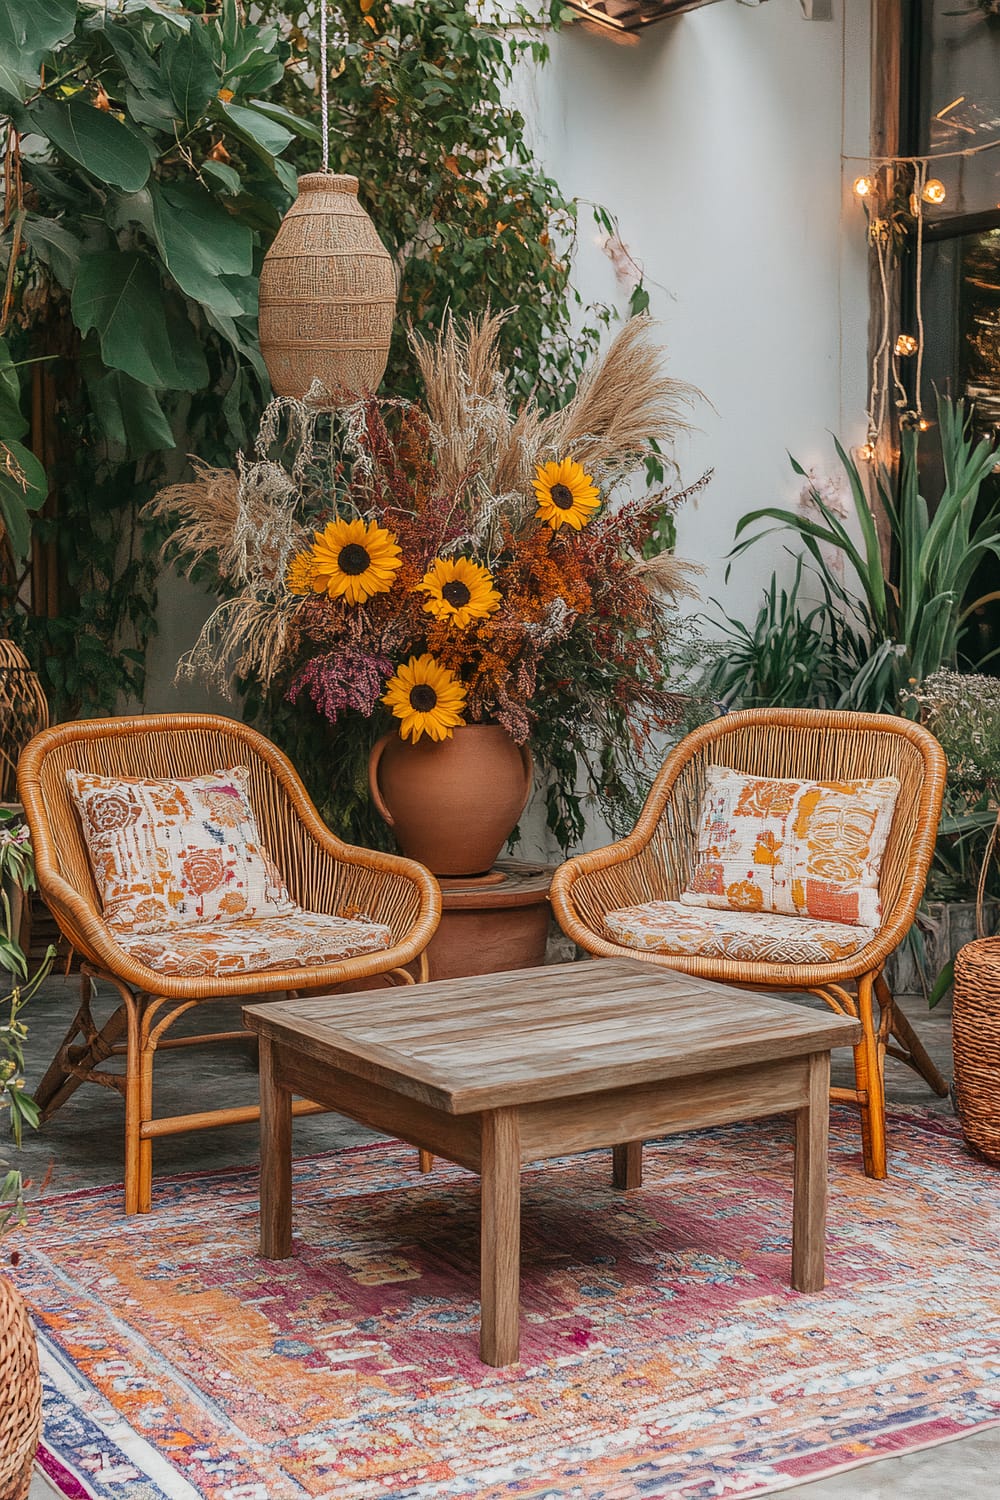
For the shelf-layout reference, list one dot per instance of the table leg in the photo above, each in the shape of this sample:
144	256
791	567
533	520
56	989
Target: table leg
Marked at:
812	1127
275	1159
626	1169
500	1242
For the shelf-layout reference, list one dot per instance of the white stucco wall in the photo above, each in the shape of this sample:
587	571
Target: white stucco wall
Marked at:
716	141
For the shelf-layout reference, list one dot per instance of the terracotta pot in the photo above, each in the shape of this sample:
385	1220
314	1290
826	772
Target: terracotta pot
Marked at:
20	1394
452	805
327	293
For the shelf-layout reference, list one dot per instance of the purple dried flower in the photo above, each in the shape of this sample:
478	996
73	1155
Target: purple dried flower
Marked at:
341	681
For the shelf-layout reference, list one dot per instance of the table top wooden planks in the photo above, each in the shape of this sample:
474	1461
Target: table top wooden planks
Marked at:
495	1040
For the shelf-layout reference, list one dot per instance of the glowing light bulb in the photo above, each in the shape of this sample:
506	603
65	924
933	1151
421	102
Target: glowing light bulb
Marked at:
924	425
864	187
906	344
934	191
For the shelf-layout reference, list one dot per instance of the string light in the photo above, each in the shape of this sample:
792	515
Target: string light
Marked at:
879	191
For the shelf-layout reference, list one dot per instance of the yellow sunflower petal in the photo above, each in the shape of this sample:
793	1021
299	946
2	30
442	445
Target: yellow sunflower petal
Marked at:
459	591
426	698
353	560
566	494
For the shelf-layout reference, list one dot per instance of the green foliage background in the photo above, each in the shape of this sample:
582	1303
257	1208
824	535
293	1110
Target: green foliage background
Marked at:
152	149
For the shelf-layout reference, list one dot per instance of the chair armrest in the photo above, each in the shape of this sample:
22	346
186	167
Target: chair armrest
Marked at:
617	875
346	879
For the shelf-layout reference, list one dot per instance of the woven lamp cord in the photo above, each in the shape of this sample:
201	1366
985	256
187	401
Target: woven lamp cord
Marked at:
324	94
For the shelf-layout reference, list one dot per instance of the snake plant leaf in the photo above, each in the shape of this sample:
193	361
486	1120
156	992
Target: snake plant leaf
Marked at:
28	30
94	139
201	243
23	488
189	69
120	296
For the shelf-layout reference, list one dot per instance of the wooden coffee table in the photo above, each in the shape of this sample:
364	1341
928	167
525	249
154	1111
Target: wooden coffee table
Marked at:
501	1069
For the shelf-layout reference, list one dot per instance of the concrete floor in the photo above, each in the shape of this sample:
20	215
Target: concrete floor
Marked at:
82	1146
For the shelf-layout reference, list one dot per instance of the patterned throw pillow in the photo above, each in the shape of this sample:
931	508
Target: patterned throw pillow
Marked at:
801	848
176	853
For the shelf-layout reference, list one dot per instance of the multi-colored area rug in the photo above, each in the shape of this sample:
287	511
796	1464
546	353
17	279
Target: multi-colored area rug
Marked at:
663	1352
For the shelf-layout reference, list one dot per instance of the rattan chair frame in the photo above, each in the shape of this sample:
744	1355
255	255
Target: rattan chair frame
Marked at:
322	873
653	863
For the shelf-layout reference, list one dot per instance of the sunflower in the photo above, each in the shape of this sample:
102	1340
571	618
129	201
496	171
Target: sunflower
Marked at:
567	496
459	590
353	560
427	698
299	574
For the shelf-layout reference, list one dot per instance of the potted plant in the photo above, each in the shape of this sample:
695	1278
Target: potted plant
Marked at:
20	1390
462	577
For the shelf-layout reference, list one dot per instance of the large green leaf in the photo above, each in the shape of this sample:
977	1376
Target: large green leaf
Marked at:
55	247
23	488
264	135
130	413
200	243
13	422
120	296
29	29
190	72
285	117
94	139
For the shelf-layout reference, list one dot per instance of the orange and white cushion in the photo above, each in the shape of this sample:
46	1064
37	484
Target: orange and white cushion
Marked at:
752	937
798	848
169	854
297	939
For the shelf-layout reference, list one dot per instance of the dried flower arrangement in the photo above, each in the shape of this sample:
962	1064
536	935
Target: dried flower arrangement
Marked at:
458	560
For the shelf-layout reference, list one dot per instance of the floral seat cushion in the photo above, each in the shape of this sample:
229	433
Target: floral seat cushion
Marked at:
296	939
750	936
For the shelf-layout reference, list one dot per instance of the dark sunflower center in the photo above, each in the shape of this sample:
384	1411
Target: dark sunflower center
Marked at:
562	496
353	559
423	698
456	593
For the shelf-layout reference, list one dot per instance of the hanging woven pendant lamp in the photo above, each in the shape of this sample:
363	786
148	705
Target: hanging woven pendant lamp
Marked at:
327	285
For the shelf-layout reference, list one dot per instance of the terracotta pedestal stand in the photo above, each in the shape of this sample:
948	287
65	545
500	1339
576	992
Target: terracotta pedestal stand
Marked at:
492	922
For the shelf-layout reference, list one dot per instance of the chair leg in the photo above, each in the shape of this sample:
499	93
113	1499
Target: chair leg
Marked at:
916	1055
868	1069
147	1057
133	1114
59	1082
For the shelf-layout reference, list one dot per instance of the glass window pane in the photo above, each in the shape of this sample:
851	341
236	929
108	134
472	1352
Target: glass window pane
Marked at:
961	101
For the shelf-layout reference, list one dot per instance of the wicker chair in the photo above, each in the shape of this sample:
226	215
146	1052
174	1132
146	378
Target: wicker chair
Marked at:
654	861
322	873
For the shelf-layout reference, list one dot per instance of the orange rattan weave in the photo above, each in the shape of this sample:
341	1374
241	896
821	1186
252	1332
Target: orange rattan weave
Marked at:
20	1394
653	863
322	873
976	1040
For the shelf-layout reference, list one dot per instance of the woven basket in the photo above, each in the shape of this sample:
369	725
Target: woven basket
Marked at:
976	1040
327	294
24	710
20	1394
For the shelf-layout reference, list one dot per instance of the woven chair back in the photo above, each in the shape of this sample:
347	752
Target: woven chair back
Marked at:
169	747
803	744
